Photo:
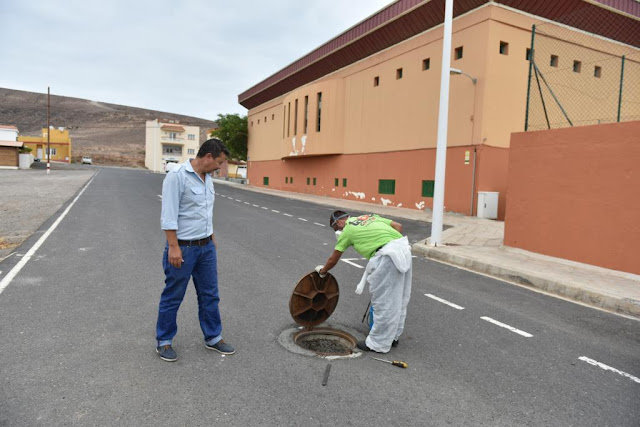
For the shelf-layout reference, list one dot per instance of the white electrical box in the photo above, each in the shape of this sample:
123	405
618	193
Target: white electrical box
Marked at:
488	204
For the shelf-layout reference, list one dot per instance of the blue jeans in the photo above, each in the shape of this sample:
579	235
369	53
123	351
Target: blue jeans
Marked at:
201	263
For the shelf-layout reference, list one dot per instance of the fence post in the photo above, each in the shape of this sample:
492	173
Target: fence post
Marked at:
620	93
526	117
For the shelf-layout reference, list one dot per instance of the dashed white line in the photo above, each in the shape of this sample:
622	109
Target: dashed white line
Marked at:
608	368
255	206
265	208
321	225
504	325
237	200
286	214
350	262
273	210
444	301
247	203
302	219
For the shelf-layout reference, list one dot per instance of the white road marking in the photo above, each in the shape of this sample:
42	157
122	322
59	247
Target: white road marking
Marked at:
237	200
16	268
273	210
256	206
350	262
247	203
504	325
265	208
444	301
286	214
608	368
321	225
302	219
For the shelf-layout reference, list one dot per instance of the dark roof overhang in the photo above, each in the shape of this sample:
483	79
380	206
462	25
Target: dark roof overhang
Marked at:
613	19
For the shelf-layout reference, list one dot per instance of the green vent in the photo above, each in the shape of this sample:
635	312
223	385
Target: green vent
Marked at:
427	188
308	181
286	179
314	181
336	182
344	182
291	180
265	180
387	186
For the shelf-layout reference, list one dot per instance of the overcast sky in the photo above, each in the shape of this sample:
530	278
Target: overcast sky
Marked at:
188	57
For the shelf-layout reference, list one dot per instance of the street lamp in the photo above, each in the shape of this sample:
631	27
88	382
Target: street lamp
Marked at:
456	71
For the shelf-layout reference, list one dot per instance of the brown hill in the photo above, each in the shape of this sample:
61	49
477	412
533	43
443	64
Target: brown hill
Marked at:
109	133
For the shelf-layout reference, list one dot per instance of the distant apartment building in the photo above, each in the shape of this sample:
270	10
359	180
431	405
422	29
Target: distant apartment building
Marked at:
169	142
59	143
9	146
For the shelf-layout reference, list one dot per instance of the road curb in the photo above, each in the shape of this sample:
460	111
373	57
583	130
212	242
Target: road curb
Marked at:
571	291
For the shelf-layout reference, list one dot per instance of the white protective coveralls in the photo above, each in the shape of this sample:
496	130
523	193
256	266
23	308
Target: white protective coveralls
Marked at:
389	276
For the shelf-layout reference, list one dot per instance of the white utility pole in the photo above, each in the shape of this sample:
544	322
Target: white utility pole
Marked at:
443	122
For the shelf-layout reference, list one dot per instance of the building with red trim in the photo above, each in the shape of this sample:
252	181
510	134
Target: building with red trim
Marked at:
356	118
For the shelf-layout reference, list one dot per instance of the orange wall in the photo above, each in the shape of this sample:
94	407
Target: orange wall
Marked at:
408	168
574	193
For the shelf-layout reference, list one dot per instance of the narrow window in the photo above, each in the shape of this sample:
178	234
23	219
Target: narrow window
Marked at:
295	119
258	121
306	113
376	81
504	48
344	182
290	180
314	181
527	55
554	61
577	66
427	188
273	116
308	181
387	186
286	179
597	71
458	53
398	73
265	119
426	64
288	119
336	182
265	180
319	111
252	124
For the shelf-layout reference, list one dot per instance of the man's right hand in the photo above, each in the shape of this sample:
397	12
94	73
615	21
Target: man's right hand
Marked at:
175	256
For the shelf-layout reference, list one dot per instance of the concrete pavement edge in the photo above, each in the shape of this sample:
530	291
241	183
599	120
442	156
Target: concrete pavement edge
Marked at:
625	306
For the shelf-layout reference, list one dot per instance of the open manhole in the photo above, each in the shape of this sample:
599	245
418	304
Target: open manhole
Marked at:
325	341
312	302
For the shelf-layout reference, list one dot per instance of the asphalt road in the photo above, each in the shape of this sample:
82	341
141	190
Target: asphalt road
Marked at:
77	328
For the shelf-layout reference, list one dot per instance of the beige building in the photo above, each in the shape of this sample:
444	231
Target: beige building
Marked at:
169	142
357	117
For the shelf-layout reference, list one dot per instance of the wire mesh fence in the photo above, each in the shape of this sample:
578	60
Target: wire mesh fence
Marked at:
577	78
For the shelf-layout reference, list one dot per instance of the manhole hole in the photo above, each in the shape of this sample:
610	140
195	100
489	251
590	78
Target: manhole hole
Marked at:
325	342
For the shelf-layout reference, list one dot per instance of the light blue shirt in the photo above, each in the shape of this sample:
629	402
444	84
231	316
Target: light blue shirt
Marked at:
187	203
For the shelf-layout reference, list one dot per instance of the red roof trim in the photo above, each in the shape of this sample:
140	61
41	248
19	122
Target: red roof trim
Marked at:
407	18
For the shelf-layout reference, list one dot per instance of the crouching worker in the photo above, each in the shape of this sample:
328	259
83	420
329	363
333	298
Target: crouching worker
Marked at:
388	272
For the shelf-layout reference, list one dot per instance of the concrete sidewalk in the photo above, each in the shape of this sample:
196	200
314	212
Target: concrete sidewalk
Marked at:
476	244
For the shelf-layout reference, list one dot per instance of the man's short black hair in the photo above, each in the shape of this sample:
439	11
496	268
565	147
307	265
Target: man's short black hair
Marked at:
335	216
213	146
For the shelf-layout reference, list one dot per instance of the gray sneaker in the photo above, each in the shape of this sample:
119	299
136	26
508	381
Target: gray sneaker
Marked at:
221	347
167	353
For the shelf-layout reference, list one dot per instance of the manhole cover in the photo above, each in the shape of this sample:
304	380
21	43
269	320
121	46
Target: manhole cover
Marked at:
314	299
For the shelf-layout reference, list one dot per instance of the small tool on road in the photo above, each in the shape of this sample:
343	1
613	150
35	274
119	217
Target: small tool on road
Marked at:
397	363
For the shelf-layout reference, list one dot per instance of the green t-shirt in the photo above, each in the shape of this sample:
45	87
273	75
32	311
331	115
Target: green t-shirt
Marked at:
366	233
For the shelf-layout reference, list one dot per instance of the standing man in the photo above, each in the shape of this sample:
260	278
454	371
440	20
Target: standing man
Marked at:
187	220
388	272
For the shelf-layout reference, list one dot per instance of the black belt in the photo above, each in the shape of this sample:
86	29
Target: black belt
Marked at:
201	242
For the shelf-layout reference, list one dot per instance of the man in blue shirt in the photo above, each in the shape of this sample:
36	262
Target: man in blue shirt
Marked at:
187	220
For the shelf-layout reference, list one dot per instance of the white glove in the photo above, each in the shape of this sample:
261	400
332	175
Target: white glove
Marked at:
318	268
